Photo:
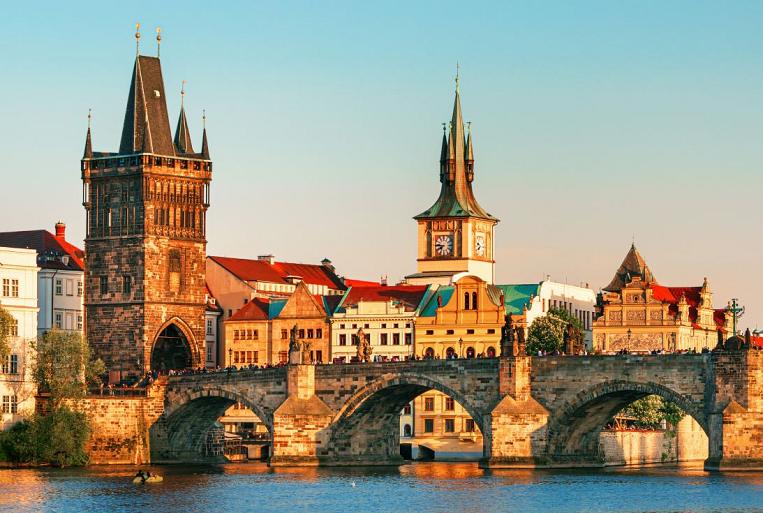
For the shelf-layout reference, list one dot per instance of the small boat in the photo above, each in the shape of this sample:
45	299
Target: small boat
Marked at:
149	479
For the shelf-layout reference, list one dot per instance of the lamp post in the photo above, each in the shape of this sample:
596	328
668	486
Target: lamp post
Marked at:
230	356
628	344
460	347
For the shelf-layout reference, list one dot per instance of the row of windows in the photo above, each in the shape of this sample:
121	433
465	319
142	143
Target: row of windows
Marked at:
244	357
368	326
584	316
469	331
126	284
69	287
470	305
384	339
156	161
10	287
11	364
58	321
449	404
10	404
449	426
252	334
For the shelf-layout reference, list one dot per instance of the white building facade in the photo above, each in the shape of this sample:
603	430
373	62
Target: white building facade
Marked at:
18	296
579	301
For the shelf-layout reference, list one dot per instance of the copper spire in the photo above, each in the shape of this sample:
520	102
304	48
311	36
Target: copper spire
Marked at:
88	144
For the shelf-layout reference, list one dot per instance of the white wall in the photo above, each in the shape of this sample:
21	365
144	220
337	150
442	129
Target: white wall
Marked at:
579	301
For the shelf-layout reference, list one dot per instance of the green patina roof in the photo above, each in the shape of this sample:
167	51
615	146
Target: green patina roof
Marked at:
430	310
274	307
515	297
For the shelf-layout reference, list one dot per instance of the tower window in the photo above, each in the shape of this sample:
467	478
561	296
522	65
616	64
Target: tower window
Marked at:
104	285
127	284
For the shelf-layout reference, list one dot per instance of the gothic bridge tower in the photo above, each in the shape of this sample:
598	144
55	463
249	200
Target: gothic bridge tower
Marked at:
455	235
145	242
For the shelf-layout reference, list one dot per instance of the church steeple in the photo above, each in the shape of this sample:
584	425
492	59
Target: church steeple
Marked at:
456	172
204	145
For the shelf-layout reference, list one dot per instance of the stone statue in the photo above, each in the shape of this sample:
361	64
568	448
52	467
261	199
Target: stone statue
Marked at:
294	350
364	347
520	340
719	344
509	345
570	339
305	350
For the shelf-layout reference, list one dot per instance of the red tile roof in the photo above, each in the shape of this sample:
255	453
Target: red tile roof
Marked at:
672	295
261	270
360	283
255	310
757	342
49	248
409	295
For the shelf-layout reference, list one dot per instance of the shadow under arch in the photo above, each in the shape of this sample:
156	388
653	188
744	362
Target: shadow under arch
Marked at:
573	434
162	343
367	427
181	433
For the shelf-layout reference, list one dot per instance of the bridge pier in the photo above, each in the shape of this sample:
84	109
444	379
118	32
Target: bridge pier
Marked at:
515	431
735	421
301	424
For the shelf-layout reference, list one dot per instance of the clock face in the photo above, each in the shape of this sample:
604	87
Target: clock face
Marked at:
443	245
479	244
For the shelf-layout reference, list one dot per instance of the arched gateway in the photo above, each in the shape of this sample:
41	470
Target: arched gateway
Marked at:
171	349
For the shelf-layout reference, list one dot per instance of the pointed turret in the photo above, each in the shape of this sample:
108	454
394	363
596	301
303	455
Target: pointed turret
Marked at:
204	147
88	154
456	172
146	116
633	265
182	135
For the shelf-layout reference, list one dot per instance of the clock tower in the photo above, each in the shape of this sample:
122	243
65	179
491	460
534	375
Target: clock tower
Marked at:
455	234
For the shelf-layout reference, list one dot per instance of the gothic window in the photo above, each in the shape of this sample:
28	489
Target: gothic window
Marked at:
474	300
174	270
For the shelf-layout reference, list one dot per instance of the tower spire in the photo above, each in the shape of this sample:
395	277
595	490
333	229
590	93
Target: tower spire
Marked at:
204	146
158	41
182	134
88	144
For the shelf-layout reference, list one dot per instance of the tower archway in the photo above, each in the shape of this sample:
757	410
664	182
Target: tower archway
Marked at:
171	349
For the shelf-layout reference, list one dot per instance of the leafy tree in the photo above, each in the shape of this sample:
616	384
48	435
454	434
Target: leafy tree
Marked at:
547	333
649	412
63	365
6	323
57	438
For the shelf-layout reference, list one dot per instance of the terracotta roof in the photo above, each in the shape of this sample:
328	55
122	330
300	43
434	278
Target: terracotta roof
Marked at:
360	283
49	247
261	270
255	310
409	295
672	295
633	265
757	341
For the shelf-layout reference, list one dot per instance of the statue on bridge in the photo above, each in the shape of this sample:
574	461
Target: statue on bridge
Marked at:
509	342
364	347
295	356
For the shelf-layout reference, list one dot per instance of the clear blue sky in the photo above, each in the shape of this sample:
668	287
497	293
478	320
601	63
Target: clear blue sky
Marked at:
593	121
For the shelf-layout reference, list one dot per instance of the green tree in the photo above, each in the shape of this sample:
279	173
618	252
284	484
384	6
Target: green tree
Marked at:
547	333
6	328
63	365
649	412
56	438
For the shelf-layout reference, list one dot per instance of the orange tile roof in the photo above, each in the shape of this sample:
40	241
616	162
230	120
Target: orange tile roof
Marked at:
255	310
46	244
409	295
261	270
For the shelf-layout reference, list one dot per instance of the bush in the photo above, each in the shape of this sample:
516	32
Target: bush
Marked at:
547	333
57	438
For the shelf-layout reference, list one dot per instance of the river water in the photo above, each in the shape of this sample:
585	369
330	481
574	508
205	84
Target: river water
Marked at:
418	488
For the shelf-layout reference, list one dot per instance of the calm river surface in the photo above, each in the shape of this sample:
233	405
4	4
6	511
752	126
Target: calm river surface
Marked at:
418	488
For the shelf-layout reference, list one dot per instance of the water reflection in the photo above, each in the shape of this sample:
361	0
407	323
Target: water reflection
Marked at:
420	487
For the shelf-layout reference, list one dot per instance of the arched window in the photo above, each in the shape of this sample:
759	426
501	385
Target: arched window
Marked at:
470	352
429	353
474	300
466	300
450	353
491	352
407	430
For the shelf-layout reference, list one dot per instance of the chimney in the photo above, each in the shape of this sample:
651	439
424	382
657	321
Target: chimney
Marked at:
61	230
294	280
328	265
270	259
383	280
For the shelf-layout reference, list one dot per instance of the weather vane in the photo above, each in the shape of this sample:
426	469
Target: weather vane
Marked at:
457	73
89	117
204	119
444	129
182	93
158	41
137	39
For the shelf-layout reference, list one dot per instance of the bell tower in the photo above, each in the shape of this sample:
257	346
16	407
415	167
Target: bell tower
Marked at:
455	235
145	241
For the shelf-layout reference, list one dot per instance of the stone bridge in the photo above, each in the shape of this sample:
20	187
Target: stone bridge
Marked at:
532	411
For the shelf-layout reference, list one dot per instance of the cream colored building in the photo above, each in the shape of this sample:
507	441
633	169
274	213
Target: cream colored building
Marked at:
18	296
640	316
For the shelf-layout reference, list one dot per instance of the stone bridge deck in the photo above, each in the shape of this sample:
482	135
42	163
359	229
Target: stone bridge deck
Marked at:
532	411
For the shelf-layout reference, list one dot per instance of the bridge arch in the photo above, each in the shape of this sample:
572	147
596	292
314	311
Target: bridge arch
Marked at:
190	414
367	426
575	427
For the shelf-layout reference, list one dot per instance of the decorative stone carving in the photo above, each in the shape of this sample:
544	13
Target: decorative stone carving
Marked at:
616	315
636	315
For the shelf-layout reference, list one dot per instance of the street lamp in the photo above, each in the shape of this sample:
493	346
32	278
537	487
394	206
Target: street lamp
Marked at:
230	356
628	344
460	347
